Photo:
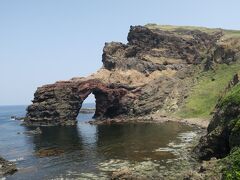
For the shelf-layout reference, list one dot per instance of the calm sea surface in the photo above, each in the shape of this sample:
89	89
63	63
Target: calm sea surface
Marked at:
93	151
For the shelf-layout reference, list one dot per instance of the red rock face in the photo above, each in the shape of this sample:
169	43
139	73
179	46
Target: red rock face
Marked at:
59	103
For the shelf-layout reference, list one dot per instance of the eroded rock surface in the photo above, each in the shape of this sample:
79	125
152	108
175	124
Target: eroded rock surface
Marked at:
153	72
59	103
149	50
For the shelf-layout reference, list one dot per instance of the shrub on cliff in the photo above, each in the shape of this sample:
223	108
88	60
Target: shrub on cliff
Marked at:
231	170
224	129
232	97
223	137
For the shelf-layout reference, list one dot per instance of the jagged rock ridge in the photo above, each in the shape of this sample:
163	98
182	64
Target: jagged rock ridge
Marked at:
150	50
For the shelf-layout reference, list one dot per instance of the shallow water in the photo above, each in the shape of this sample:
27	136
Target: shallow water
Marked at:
94	151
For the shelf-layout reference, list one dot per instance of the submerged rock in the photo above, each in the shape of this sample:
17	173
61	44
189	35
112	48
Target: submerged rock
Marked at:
49	152
6	167
34	132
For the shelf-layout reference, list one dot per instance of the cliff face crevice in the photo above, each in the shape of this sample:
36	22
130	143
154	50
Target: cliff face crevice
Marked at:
153	72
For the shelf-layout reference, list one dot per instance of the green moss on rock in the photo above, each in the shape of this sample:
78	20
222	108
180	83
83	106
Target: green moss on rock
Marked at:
234	139
224	128
231	164
232	97
237	126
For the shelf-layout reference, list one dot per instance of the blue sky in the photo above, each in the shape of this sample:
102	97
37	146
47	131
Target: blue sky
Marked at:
42	41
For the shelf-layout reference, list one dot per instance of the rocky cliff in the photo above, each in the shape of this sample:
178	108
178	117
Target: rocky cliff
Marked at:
222	140
223	130
153	72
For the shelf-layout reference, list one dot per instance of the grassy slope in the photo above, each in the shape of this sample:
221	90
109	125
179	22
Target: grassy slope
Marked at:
231	165
204	95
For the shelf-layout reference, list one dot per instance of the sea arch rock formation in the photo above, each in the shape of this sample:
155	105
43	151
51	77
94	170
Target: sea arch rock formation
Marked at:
152	73
59	103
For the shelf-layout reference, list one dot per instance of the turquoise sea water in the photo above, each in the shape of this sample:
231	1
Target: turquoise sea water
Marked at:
91	151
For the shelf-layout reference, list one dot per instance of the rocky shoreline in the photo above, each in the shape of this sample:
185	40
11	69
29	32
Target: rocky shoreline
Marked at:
6	167
202	123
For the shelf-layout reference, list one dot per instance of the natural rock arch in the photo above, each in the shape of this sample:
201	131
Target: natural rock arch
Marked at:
59	103
158	65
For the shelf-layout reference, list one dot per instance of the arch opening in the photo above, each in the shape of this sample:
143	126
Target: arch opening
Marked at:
87	108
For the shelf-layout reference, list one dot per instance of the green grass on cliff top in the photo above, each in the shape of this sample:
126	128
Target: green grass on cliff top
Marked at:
205	93
228	33
173	28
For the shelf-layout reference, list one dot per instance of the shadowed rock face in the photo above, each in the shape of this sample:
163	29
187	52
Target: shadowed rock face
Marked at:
59	103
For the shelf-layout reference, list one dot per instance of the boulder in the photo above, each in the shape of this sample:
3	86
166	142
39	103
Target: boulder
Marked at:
6	167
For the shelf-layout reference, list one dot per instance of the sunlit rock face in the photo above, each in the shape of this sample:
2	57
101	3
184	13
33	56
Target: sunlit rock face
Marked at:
151	49
153	72
59	103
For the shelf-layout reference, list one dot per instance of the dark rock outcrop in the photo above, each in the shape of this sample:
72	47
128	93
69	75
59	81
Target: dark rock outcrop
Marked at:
220	55
6	167
224	129
149	50
59	103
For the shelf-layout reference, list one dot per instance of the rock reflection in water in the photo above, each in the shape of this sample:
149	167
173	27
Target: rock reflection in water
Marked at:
64	138
93	152
137	141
